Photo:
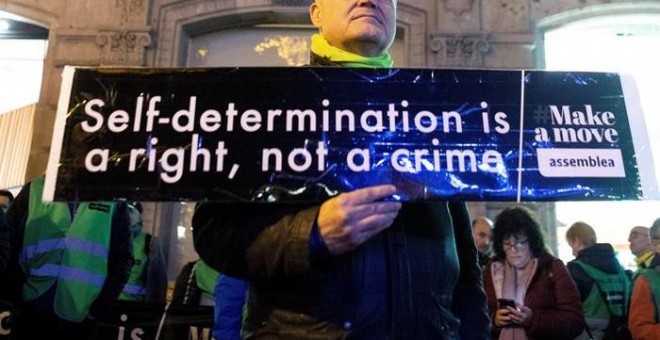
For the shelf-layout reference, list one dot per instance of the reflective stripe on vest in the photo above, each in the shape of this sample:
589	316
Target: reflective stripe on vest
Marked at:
83	246
69	254
69	273
135	289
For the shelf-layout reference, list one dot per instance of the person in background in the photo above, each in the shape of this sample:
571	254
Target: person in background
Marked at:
6	199
482	231
530	293
74	261
7	281
4	244
641	246
354	265
148	279
603	284
644	318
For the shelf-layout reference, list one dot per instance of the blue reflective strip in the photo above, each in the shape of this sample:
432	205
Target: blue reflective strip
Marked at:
69	273
42	247
134	289
84	246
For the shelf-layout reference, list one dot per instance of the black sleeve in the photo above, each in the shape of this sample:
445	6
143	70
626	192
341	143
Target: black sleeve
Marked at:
4	242
156	272
469	302
186	291
120	260
17	218
12	284
254	241
583	282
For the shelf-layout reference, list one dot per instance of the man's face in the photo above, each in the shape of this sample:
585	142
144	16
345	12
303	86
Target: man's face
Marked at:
640	241
482	236
4	203
364	27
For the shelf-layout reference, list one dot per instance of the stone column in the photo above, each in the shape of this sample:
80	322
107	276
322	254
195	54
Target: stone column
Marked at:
85	33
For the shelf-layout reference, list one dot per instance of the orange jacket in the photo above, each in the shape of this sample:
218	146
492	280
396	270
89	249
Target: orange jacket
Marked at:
641	319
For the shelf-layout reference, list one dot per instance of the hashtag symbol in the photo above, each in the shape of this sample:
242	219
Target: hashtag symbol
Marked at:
541	115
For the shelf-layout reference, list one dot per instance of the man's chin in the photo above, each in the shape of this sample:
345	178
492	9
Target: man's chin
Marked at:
370	42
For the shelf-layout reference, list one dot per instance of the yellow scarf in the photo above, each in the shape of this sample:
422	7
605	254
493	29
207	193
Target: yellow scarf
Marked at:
644	260
321	48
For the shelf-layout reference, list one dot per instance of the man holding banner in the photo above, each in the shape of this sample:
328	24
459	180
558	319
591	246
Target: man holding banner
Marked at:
359	265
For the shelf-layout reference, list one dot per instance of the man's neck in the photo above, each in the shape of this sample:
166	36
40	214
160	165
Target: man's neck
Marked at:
365	49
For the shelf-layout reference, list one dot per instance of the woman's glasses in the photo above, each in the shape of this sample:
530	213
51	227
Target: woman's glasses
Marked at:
518	244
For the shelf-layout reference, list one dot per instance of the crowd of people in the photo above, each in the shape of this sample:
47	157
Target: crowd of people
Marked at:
355	265
529	293
592	296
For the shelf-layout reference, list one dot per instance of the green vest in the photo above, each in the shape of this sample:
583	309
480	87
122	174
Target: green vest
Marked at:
135	289
206	278
652	276
69	254
609	295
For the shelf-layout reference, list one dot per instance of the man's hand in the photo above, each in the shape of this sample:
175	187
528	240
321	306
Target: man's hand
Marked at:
349	219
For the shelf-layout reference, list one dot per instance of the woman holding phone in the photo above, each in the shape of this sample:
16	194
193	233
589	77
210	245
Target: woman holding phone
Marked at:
530	293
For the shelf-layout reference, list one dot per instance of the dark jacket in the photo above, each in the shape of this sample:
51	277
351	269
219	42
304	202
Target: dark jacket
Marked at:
416	280
484	259
600	256
552	297
120	257
156	279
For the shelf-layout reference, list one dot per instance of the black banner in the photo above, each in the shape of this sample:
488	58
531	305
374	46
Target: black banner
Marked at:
137	321
141	321
261	134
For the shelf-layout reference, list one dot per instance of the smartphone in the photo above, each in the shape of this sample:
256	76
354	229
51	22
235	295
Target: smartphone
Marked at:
503	303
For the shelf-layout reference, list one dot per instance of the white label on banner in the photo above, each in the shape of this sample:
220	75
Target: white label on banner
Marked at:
580	163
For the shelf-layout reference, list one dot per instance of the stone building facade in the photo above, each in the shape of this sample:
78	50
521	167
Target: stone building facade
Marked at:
492	34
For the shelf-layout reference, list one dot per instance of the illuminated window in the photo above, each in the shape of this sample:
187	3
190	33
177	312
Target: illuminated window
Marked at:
22	53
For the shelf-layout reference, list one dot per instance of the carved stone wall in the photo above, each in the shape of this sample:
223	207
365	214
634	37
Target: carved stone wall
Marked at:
460	50
123	47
